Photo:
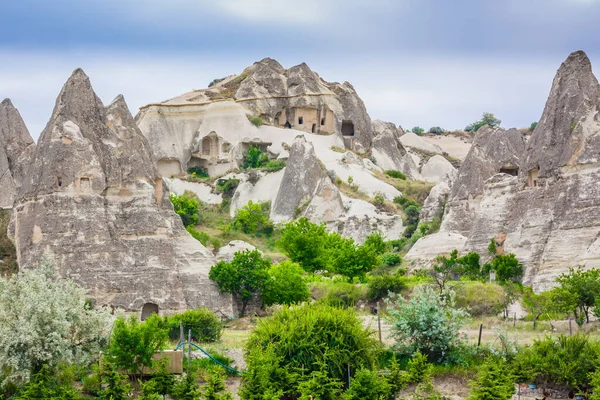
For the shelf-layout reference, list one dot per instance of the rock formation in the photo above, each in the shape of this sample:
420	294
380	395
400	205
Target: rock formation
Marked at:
541	201
16	148
389	152
95	202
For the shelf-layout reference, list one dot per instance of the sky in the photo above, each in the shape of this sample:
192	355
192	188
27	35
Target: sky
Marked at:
413	62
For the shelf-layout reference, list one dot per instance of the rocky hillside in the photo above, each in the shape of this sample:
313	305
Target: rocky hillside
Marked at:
94	202
539	199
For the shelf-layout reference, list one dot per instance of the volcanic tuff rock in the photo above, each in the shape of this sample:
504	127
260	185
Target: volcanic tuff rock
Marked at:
548	215
95	202
16	148
389	152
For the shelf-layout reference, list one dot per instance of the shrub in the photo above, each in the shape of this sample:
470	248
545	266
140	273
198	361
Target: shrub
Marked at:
134	343
494	381
567	360
46	321
367	385
202	237
45	385
185	388
418	130
376	241
204	324
253	218
214	388
381	286
507	268
342	295
487	119
320	386
187	208
405	202
254	158
426	322
436	130
227	187
245	276
307	339
285	285
304	243
116	384
198	171
274	165
391	259
379	201
533	126
256	121
395	174
418	368
349	260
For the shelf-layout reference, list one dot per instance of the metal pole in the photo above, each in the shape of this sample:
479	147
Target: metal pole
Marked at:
379	325
189	349
480	331
181	332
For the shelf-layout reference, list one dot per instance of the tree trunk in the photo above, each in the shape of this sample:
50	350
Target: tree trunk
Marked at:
535	320
244	304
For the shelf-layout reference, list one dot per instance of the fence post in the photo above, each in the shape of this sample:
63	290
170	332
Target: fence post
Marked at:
515	320
189	350
379	325
480	331
181	333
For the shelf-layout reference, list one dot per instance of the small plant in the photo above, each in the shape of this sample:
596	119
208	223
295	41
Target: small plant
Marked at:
381	286
227	187
391	259
418	368
256	121
436	130
379	201
395	174
494	381
367	385
488	119
274	165
418	130
254	218
202	237
254	158
187	208
198	172
532	126
342	295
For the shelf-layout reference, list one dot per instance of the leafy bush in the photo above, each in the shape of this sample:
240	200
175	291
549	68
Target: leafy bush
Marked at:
204	324
187	208
227	187
391	259
565	360
198	171
116	385
507	268
487	119
254	158
185	388
299	341
436	130
46	321
274	165
342	295
285	285
245	276
380	286
256	121
304	243
367	385
379	201
348	259
395	174
253	218
405	202
533	126
418	130
494	381
45	385
426	322
418	368
320	386
202	237
376	241
134	343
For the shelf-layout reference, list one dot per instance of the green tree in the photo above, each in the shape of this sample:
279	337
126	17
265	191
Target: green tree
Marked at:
185	388
253	218
214	388
426	322
487	119
46	321
186	207
537	304
417	130
507	268
348	259
376	241
286	285
533	126
162	378
577	291
469	266
367	385
412	219
134	343
445	269
436	130
304	243
116	384
381	286
254	158
494	382
245	276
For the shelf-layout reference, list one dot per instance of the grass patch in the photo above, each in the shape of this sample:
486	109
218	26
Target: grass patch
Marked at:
338	149
415	190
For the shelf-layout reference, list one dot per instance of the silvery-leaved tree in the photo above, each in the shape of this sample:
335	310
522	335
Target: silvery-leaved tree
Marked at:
46	320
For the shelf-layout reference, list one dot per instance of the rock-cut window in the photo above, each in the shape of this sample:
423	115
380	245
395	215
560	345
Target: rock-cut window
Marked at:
300	120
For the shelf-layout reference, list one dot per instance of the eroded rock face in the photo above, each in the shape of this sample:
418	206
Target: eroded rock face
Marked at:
541	203
302	176
389	152
16	148
95	202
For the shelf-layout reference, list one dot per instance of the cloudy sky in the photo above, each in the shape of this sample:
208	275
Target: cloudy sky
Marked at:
413	62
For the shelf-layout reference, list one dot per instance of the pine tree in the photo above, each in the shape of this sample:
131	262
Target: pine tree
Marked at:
494	382
117	384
